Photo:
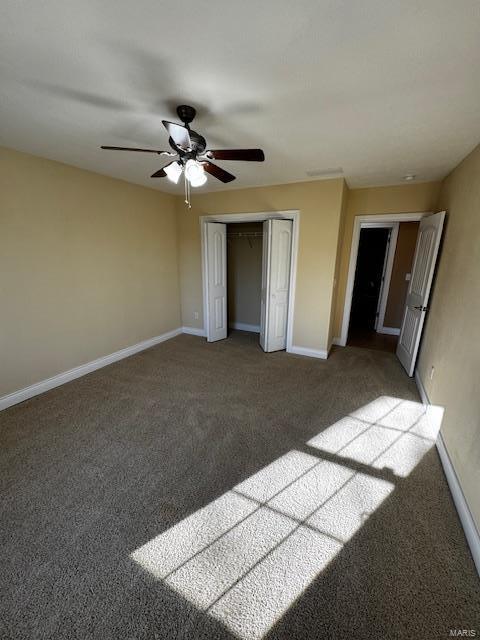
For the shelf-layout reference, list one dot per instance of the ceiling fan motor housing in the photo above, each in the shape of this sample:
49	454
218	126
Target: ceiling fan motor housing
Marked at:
186	113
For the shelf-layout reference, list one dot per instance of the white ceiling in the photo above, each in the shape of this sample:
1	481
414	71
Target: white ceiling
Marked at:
379	88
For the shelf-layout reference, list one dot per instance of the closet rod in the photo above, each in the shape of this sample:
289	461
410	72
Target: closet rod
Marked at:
245	234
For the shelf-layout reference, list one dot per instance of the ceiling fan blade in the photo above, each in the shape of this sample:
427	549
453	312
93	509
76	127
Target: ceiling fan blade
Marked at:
218	172
252	155
179	134
167	153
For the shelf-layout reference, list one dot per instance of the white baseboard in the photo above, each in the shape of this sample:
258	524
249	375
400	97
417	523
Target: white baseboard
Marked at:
77	372
421	388
241	326
311	353
193	331
471	532
338	342
390	331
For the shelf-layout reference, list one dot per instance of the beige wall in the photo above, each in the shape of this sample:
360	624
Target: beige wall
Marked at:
408	198
320	204
451	340
402	264
244	268
88	265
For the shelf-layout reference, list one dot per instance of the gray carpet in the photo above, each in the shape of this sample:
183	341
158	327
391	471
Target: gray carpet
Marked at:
199	491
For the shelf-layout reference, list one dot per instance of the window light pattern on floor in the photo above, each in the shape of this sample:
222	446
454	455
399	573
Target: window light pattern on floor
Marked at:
247	556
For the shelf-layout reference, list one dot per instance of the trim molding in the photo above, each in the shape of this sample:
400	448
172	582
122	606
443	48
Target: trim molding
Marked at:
465	515
311	353
421	388
193	331
241	326
338	342
82	370
390	331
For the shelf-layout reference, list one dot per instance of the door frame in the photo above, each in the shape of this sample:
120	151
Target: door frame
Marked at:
360	222
261	216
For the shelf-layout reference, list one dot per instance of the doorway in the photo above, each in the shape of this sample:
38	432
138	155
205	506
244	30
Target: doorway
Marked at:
369	283
231	248
382	275
392	264
244	275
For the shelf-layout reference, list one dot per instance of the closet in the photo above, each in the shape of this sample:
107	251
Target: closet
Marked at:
247	278
244	275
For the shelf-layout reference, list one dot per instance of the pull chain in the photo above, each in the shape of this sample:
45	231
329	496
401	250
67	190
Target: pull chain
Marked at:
187	191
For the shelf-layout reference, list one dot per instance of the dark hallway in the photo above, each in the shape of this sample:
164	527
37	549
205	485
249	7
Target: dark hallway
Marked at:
372	251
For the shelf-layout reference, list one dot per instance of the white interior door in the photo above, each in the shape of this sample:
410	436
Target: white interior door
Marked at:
216	233
277	251
424	261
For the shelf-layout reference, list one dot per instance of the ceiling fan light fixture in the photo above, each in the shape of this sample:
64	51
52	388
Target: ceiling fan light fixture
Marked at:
173	171
198	181
195	173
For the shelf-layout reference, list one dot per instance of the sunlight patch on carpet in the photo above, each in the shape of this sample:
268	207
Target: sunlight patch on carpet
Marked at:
245	558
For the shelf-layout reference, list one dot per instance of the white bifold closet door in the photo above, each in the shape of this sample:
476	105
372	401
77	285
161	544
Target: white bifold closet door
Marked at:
424	261
277	251
216	281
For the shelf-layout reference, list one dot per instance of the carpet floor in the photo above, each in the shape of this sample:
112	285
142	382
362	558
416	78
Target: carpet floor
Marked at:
213	492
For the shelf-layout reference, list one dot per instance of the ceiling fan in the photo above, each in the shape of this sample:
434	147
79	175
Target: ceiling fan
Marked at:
194	160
